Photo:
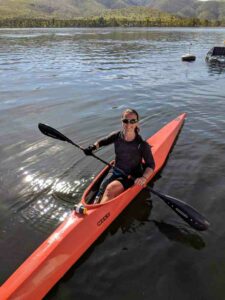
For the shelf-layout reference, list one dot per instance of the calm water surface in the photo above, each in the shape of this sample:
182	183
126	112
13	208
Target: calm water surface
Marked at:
79	81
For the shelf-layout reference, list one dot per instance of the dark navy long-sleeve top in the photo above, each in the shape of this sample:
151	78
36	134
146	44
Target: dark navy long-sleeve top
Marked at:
129	155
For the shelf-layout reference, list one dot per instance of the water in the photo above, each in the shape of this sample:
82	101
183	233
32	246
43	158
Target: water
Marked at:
79	81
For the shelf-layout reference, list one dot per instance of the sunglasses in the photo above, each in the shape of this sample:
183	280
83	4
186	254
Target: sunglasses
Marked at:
129	121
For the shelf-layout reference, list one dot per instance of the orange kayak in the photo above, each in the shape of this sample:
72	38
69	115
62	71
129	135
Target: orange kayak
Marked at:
43	269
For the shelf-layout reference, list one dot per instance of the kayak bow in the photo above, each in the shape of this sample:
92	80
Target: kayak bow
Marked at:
52	259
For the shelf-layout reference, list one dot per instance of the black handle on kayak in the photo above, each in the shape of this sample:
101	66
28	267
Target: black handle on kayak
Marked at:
185	211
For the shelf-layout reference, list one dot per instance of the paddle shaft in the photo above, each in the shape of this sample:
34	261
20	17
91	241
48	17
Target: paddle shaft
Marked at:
95	156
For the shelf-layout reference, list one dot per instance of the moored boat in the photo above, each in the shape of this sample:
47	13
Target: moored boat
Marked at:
216	55
40	272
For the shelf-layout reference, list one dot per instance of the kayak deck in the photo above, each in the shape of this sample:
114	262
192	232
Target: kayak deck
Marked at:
40	272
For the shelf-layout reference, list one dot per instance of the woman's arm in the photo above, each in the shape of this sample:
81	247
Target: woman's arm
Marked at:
149	163
102	142
147	173
107	140
143	180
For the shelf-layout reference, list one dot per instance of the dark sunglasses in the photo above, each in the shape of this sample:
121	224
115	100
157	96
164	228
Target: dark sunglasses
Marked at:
131	121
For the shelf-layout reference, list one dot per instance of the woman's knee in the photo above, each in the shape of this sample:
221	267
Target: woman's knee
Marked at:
114	189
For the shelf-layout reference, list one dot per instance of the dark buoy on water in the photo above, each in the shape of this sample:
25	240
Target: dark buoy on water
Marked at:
189	56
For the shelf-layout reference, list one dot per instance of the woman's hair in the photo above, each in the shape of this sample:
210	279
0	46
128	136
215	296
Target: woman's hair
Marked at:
132	111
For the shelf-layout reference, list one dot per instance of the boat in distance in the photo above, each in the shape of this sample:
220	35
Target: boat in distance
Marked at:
216	55
56	255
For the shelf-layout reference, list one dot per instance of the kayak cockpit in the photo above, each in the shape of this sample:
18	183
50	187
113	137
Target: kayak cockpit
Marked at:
93	189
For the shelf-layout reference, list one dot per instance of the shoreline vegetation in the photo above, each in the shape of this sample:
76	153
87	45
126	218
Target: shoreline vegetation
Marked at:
172	21
125	17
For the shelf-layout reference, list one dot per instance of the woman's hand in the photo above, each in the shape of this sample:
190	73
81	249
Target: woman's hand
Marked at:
142	181
90	149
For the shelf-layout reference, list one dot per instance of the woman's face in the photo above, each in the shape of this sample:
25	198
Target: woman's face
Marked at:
129	122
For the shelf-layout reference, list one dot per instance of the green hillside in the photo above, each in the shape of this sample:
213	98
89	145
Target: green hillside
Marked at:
64	9
137	14
70	9
125	17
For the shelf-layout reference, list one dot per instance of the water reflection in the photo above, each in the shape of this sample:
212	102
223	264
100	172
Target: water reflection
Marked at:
48	199
53	185
181	235
45	212
134	216
216	68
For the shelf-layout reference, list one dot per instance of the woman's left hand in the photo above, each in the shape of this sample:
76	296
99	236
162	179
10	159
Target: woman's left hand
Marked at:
142	181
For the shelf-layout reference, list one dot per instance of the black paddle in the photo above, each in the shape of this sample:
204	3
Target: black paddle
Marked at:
185	211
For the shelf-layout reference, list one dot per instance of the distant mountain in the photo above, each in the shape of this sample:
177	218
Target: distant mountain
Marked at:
48	8
68	9
192	8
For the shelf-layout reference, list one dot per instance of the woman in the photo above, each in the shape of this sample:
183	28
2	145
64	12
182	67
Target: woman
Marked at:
130	150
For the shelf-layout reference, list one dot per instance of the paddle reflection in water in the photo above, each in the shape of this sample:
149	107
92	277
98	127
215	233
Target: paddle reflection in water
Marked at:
181	234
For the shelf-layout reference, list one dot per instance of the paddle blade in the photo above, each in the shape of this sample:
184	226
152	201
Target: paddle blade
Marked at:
55	134
185	211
